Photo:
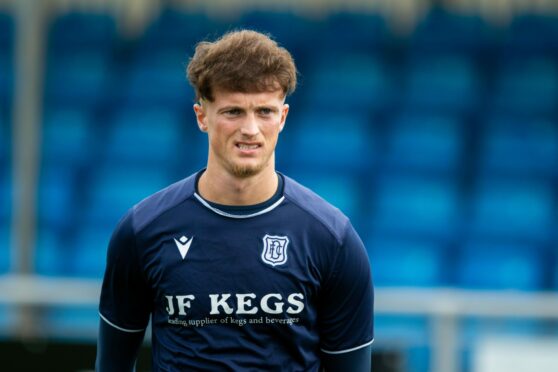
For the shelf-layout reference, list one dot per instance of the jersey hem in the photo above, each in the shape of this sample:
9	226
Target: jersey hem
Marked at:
348	350
120	328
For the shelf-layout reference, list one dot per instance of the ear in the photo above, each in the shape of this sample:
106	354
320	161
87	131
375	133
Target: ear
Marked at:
200	117
284	113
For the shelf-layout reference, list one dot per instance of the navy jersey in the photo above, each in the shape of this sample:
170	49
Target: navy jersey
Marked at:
269	290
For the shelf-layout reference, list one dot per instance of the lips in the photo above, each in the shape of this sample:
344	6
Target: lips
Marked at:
246	146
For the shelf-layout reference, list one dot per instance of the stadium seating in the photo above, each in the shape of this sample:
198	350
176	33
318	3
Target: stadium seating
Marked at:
177	28
6	61
527	86
68	138
157	132
518	210
444	31
90	260
73	31
531	34
163	71
486	265
345	192
519	146
291	30
407	263
330	141
442	83
113	190
79	79
425	143
416	206
351	31
356	83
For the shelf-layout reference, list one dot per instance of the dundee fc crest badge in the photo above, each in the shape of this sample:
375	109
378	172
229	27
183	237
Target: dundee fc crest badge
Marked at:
275	250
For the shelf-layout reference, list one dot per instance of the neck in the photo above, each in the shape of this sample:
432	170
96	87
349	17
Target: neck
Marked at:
224	188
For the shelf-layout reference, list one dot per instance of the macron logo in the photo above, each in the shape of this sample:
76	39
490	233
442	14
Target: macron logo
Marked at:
183	245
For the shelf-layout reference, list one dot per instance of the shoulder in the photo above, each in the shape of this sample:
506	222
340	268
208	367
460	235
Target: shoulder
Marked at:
323	212
147	210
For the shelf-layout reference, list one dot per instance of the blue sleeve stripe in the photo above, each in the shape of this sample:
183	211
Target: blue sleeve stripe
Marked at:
348	350
120	328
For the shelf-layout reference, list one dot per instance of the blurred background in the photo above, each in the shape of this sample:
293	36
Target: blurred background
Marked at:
432	124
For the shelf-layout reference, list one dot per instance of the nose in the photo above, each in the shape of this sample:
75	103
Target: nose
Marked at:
250	127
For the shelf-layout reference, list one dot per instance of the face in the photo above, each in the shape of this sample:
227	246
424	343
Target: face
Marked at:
242	129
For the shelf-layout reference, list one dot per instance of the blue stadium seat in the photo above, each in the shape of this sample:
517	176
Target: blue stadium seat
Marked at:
6	193
351	31
513	210
425	143
113	190
78	79
6	80
416	206
330	141
527	86
519	146
56	197
442	83
159	78
358	83
6	59
445	31
498	266
289	29
89	258
177	28
78	31
149	137
4	141
5	255
407	263
52	253
344	191
68	138
531	34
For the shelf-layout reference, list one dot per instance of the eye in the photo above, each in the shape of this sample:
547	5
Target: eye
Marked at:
265	111
233	112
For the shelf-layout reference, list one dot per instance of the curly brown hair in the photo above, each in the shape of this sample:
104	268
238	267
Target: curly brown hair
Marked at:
241	61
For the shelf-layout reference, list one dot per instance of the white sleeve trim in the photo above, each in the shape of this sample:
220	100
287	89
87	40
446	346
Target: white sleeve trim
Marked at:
348	350
120	328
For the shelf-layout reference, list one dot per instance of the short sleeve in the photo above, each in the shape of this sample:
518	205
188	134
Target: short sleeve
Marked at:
347	302
125	297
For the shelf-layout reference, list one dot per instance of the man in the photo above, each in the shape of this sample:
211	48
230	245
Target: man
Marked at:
239	267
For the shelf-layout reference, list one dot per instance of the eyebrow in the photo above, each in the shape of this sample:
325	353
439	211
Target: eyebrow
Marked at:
259	107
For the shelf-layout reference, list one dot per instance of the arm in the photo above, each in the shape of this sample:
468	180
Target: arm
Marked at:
346	322
359	360
116	350
125	303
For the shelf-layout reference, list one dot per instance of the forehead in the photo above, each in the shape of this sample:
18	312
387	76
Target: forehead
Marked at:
227	98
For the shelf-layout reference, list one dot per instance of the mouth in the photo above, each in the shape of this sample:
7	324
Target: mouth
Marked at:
245	146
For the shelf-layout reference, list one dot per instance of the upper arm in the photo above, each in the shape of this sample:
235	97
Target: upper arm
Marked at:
125	296
347	301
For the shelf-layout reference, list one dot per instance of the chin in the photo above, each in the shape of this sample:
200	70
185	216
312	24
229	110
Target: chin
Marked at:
246	170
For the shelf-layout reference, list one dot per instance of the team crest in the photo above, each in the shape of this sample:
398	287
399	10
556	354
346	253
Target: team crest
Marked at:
275	250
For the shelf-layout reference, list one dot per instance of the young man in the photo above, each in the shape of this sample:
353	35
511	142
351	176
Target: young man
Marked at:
239	267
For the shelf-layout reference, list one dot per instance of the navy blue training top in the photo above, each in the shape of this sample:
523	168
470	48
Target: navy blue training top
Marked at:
263	291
